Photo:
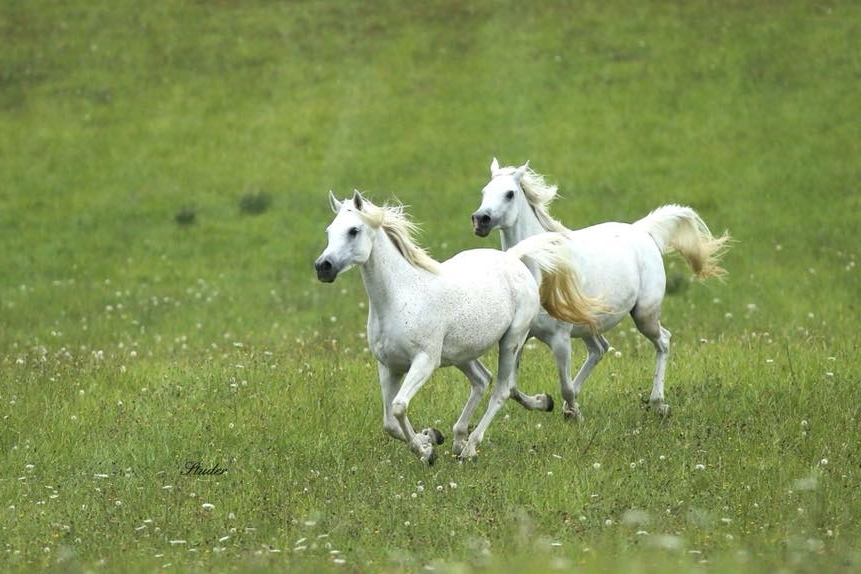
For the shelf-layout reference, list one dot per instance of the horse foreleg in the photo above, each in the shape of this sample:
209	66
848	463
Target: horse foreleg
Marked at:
421	368
595	349
390	384
479	377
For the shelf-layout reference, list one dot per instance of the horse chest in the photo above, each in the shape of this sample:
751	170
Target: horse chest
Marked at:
395	338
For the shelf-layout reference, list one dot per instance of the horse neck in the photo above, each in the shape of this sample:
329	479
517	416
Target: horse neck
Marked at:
387	274
525	225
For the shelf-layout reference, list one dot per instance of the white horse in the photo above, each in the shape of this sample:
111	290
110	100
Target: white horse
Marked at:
423	314
619	263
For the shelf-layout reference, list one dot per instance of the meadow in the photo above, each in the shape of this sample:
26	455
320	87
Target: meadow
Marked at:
163	176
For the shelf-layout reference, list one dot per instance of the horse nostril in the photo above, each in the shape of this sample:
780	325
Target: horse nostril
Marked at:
324	265
483	219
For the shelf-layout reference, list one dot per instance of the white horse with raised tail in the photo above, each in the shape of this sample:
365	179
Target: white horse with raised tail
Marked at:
423	314
621	264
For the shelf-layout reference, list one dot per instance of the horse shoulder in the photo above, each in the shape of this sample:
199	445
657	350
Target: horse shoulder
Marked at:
396	337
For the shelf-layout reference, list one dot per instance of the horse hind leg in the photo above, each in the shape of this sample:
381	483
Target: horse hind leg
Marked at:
479	377
595	349
539	402
649	325
509	346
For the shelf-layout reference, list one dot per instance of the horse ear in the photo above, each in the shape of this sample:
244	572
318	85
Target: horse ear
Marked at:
334	203
521	171
357	200
494	167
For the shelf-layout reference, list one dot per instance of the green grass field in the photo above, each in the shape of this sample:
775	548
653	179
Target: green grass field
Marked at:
149	319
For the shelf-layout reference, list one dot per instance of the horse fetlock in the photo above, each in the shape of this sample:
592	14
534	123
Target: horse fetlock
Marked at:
422	446
399	409
660	407
394	430
457	446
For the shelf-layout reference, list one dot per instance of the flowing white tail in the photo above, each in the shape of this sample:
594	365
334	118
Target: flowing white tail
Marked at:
561	293
679	228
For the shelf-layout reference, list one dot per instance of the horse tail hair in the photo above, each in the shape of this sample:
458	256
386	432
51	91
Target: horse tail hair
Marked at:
679	228
560	290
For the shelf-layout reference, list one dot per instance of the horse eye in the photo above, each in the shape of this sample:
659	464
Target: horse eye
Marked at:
353	231
509	195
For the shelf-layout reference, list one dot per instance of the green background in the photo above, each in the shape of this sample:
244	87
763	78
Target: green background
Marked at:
131	343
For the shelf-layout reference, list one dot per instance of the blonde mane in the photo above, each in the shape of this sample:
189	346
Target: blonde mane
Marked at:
540	195
394	221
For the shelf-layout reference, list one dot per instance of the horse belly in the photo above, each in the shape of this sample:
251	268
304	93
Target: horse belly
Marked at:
465	343
484	304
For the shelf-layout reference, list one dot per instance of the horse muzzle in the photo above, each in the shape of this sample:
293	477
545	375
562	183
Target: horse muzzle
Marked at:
326	272
481	224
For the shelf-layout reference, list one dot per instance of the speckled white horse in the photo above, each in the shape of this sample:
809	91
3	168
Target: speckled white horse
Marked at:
619	263
423	314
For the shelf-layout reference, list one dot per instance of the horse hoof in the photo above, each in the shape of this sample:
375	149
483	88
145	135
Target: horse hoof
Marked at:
457	448
550	405
468	453
434	435
573	417
572	413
